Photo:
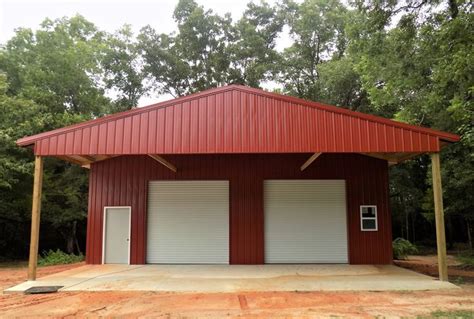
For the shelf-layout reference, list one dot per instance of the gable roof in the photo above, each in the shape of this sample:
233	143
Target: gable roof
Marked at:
237	119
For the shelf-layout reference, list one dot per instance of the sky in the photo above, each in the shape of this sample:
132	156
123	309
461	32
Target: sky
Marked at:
109	16
106	14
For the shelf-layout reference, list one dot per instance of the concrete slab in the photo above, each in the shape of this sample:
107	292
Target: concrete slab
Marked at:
237	278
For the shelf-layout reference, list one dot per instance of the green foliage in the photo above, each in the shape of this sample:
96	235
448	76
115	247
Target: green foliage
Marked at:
50	78
58	257
252	54
466	258
57	66
415	62
457	314
317	29
210	50
20	117
402	248
123	68
192	60
458	281
407	190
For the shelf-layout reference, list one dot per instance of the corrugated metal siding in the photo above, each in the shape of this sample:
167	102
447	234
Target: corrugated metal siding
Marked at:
123	181
236	120
188	222
305	221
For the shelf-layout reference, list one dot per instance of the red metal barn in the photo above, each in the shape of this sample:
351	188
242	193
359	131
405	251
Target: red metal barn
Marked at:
238	175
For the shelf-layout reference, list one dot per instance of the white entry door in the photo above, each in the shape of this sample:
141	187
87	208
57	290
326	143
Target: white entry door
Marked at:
116	249
188	222
305	221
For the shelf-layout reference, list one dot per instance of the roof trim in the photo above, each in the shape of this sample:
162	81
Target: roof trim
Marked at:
448	137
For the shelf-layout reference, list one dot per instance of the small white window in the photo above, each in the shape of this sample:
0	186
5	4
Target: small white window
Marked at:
368	218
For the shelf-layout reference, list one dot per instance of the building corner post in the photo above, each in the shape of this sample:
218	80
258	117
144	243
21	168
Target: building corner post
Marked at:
439	216
35	217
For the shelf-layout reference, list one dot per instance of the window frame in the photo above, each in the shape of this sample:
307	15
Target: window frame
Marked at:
362	218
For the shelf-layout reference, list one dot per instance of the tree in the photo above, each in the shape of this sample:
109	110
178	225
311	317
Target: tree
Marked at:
252	54
123	69
15	166
210	50
317	29
408	185
192	60
57	66
22	117
420	67
51	78
339	84
65	193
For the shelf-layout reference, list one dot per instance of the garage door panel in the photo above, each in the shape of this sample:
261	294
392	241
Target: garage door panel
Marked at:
188	222
305	221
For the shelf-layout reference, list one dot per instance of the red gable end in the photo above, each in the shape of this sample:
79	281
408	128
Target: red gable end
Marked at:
237	119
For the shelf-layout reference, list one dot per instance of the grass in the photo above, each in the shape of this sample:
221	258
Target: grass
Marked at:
458	281
451	314
58	257
48	258
13	264
466	258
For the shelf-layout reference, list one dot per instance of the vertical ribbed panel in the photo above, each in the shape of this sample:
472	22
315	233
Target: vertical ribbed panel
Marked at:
188	222
123	181
305	221
237	120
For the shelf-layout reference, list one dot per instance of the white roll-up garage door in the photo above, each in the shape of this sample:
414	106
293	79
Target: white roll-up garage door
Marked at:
188	222
305	221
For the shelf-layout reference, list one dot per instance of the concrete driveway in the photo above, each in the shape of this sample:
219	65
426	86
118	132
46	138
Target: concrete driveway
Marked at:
236	278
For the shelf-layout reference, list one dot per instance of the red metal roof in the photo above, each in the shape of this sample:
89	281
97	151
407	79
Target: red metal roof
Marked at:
237	119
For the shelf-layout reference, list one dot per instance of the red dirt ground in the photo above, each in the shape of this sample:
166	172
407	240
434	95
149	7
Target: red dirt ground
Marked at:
217	305
10	276
428	265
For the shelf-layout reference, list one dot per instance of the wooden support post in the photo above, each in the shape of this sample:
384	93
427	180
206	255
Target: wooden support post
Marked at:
439	217
35	218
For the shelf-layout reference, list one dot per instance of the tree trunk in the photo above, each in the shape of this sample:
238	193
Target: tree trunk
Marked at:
402	229
407	229
449	228
76	242
69	244
71	239
453	8
407	225
469	233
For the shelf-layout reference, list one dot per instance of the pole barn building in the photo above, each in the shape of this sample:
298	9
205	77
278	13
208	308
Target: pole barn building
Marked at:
237	175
